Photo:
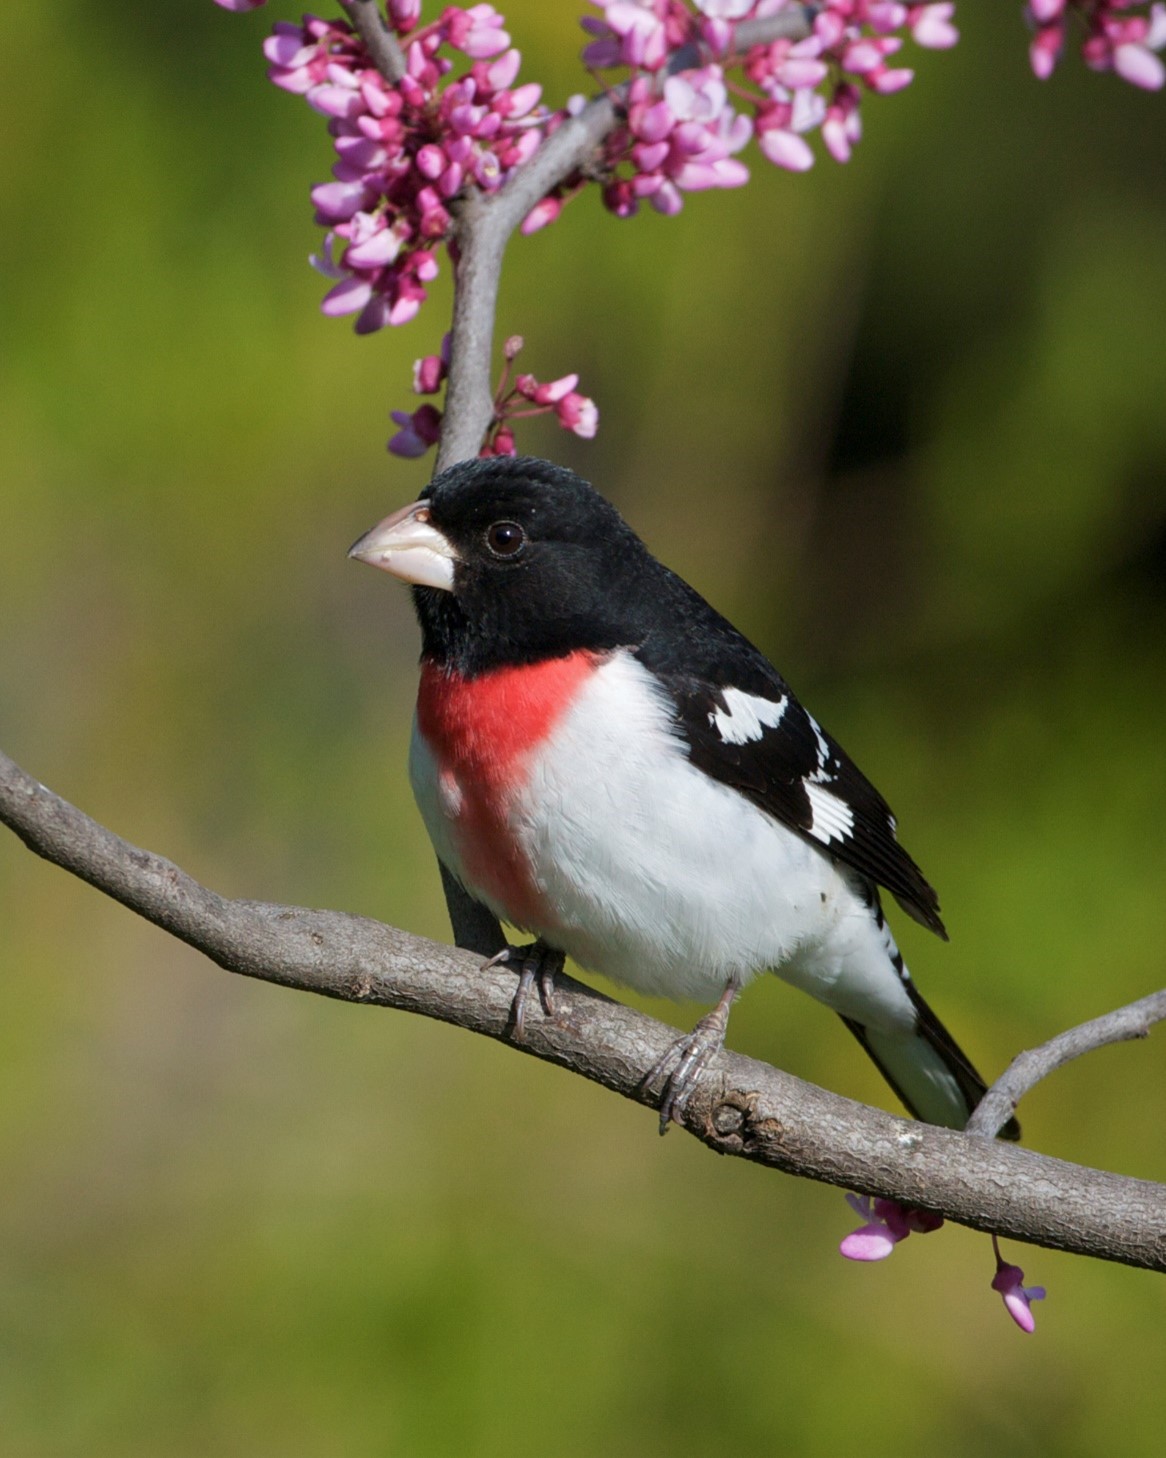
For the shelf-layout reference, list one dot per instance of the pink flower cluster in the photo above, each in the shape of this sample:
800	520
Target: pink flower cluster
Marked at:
682	134
1114	38
421	428
575	412
887	1223
405	150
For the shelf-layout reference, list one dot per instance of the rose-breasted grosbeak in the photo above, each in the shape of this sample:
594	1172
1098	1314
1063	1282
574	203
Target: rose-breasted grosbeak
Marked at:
601	759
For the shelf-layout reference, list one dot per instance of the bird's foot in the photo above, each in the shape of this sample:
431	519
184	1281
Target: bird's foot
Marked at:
536	962
691	1055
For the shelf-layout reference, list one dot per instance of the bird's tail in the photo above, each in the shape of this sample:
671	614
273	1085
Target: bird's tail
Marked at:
927	1068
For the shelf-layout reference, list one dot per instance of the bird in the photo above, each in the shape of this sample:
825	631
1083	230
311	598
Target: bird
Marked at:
603	761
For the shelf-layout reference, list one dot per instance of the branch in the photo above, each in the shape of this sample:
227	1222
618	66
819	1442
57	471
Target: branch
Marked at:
1027	1069
741	1107
485	223
366	19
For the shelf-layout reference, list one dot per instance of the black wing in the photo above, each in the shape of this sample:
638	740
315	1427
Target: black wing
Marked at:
744	727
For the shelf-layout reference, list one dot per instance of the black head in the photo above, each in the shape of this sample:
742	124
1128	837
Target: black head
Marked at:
515	560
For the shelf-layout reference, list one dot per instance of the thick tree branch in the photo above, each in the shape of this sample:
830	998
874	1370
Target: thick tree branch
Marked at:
1027	1069
741	1107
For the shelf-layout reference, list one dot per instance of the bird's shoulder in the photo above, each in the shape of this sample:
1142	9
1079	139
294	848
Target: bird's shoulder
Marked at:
743	725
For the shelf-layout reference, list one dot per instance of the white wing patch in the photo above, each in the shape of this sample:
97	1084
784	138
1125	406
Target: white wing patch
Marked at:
821	773
831	818
745	717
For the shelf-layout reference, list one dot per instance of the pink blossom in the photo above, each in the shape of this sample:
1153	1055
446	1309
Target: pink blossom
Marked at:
428	374
404	15
717	36
780	143
605	50
886	80
324	262
541	214
337	202
418	432
548	394
380	246
1139	65
842	126
240	5
931	26
887	1223
349	295
641	29
500	443
1044	51
886	16
576	412
477	31
1018	1298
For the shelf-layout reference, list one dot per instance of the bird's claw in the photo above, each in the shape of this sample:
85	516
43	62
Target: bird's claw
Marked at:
691	1054
536	962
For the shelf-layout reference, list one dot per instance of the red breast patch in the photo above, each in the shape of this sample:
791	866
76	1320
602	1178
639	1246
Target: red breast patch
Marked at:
481	733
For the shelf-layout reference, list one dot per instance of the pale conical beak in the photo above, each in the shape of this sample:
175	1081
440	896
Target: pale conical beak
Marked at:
409	547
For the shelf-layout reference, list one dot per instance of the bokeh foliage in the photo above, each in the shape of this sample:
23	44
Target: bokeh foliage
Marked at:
903	421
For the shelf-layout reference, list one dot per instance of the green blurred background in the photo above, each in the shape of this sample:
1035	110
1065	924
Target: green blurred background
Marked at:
903	421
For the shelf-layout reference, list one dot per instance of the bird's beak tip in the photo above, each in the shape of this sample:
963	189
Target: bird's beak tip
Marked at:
408	547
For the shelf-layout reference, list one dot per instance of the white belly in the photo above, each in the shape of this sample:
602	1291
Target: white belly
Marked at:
662	878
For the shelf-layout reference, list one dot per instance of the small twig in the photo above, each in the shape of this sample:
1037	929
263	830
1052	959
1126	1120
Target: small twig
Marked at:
794	24
1028	1068
741	1107
366	19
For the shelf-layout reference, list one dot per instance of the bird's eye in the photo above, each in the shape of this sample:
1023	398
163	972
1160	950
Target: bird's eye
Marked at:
505	538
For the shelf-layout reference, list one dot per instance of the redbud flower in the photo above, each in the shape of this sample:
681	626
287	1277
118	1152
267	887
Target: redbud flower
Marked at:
887	1223
931	26
640	28
418	432
1018	1298
404	15
500	444
477	31
541	214
780	143
548	394
576	412
428	374
842	127
240	5
1045	51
